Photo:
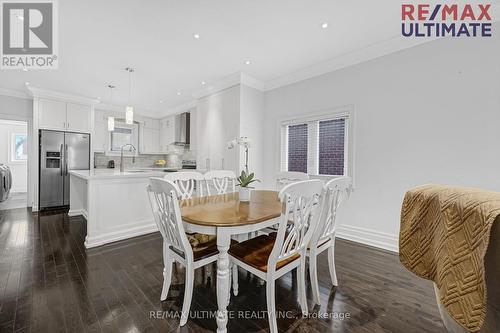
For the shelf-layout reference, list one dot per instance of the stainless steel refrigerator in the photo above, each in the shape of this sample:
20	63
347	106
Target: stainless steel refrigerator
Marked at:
59	153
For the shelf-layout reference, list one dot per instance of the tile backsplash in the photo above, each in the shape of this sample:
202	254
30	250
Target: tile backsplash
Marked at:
173	160
101	160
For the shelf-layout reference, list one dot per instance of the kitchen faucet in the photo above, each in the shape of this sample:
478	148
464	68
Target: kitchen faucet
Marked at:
122	167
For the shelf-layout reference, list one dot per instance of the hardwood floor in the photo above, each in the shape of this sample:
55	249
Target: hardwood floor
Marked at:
50	283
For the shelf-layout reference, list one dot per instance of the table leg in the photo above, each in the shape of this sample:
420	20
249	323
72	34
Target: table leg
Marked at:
223	280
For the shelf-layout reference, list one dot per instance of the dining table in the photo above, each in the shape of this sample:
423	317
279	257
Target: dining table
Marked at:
226	216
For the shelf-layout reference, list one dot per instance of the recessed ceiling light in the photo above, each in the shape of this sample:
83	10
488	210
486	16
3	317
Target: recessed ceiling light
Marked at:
27	83
179	93
203	83
247	62
196	36
161	102
324	25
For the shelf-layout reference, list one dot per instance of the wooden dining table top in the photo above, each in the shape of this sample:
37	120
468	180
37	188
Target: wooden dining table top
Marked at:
226	210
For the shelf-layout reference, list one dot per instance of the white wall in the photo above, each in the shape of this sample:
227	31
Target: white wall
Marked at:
426	114
19	169
251	120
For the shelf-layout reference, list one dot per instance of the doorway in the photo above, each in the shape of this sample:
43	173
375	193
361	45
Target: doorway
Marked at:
14	150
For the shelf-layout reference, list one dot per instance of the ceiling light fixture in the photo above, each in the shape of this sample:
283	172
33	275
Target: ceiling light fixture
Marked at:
111	120
247	62
129	109
179	93
203	83
324	25
161	102
196	36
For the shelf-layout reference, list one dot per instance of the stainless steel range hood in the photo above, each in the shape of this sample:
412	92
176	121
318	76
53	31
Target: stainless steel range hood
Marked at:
182	129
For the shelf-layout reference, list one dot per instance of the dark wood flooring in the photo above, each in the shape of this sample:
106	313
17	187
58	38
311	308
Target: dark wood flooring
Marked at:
50	283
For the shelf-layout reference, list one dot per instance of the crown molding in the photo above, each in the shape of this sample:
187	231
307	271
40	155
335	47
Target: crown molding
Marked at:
14	93
228	82
44	93
181	108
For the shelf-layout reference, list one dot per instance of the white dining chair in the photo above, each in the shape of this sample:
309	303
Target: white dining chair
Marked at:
220	181
164	198
336	192
271	256
284	178
190	183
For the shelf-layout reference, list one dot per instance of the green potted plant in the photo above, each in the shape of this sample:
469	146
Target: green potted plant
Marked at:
246	178
244	181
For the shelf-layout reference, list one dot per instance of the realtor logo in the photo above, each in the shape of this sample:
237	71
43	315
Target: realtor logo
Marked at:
29	39
446	20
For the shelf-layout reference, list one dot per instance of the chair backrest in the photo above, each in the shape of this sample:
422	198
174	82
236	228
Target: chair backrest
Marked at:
336	192
287	177
220	181
301	209
188	182
164	198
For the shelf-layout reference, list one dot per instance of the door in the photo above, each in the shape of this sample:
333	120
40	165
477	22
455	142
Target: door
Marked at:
78	118
77	156
51	169
52	114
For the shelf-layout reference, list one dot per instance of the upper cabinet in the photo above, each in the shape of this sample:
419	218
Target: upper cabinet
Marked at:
99	137
167	133
63	116
51	114
78	118
149	142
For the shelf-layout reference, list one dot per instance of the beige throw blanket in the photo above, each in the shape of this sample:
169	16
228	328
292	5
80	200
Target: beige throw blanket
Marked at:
444	236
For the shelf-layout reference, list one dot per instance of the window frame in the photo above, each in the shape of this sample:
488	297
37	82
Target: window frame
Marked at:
12	148
313	145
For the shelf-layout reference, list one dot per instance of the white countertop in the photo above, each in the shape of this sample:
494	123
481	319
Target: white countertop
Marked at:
115	173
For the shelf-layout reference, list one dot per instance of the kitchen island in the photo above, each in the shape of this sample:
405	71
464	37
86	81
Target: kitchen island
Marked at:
115	204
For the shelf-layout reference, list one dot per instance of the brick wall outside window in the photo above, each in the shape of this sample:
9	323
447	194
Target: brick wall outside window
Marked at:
331	147
297	148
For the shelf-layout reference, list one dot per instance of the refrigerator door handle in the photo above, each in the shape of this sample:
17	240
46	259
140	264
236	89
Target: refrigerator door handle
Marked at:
61	160
66	159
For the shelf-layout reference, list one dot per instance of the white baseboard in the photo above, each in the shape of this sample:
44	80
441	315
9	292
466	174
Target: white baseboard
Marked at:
369	237
129	232
77	212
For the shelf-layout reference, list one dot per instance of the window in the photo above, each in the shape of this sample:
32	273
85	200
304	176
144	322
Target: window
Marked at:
19	147
119	137
123	134
317	145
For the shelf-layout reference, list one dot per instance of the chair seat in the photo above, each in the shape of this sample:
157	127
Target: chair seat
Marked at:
256	251
202	250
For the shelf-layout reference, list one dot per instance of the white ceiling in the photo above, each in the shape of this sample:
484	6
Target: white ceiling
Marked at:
98	39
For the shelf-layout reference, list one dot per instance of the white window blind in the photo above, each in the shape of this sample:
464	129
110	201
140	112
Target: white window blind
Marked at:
316	145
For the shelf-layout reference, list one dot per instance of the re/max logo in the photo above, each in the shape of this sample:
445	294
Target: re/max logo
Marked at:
443	20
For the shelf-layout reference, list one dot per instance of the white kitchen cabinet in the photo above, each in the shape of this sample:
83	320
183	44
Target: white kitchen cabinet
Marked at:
151	123
150	141
51	115
100	139
78	118
167	133
70	117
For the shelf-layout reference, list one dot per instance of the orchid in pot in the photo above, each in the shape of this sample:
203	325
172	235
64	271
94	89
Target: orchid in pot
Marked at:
246	178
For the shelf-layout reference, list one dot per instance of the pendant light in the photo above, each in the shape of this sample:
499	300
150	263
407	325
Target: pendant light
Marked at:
111	120
129	110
